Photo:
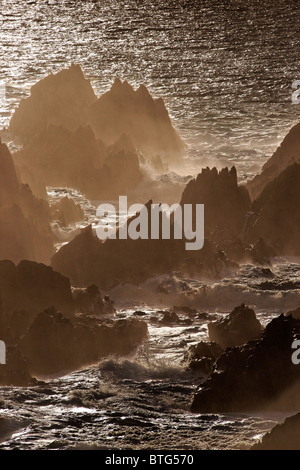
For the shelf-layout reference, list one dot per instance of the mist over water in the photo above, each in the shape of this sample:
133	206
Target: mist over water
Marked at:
225	71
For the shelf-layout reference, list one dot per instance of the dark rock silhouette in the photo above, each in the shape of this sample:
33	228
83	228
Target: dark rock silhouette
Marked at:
60	99
285	436
16	371
225	203
259	375
239	327
40	340
276	217
202	356
286	154
25	231
27	289
87	260
89	300
71	343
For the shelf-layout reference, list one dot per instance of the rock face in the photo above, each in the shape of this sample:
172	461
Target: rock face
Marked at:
25	231
276	217
62	99
287	154
67	212
60	157
122	110
239	327
285	436
27	289
225	203
40	340
202	356
66	99
71	343
259	375
87	260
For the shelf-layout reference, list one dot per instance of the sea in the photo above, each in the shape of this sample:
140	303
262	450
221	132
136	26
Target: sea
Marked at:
225	70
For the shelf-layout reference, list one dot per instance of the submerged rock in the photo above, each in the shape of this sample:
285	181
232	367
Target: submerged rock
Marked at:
239	327
259	375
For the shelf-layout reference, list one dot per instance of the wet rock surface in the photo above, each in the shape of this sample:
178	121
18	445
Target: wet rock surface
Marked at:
259	375
239	327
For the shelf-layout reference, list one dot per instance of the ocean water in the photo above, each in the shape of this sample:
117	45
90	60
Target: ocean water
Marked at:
225	70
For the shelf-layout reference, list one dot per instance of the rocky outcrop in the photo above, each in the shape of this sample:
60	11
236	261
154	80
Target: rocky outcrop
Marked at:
201	357
285	436
62	99
276	217
259	375
27	289
225	203
59	157
67	99
239	327
25	231
287	154
87	260
67	212
71	343
89	300
123	110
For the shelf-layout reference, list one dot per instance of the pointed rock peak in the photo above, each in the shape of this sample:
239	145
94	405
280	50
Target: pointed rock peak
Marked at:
143	91
121	87
123	143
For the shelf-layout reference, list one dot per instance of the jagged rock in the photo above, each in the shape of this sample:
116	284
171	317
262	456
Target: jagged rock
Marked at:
202	356
285	436
276	216
240	326
15	372
287	154
67	99
71	343
60	99
25	231
88	300
87	260
63	158
66	211
259	375
225	203
27	289
122	110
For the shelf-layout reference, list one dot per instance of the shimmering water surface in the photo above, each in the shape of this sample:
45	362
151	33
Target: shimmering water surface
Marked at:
225	70
224	67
